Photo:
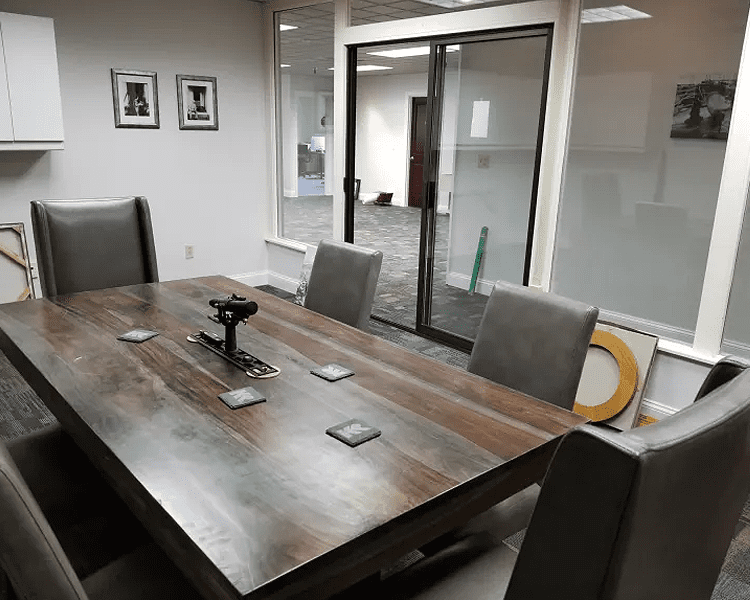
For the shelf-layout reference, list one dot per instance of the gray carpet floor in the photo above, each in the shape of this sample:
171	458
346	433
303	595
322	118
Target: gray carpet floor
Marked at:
394	230
22	411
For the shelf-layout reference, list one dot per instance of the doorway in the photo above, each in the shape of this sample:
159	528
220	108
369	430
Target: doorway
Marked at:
484	121
417	141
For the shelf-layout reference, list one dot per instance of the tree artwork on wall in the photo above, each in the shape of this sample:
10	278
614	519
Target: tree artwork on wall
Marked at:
703	110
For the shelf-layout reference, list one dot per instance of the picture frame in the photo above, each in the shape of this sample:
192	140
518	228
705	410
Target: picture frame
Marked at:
15	266
135	98
615	374
197	102
703	110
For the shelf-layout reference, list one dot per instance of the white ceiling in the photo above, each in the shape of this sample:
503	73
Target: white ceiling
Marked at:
309	48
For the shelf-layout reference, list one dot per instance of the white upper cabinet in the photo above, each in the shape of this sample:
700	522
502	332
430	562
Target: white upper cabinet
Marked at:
30	105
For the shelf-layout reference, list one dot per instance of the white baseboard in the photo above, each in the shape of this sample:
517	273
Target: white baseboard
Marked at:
462	281
656	409
252	279
282	282
268	278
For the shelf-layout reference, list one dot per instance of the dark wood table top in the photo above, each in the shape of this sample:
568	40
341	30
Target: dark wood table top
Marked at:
259	502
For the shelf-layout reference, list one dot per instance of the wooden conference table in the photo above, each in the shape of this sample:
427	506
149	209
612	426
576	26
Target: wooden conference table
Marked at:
259	502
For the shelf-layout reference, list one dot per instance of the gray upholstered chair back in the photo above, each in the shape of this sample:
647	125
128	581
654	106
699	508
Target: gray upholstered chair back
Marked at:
724	370
533	342
644	514
93	244
342	282
30	553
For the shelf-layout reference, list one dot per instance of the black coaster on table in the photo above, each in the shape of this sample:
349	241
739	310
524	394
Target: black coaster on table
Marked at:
332	372
137	335
245	396
354	432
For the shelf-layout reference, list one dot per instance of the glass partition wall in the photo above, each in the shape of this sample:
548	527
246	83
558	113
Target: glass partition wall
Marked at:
651	112
638	228
304	91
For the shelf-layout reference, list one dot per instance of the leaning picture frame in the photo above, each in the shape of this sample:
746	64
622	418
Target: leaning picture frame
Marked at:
15	266
135	99
197	102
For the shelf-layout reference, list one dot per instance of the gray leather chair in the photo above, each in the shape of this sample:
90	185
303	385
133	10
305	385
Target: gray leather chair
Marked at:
64	535
93	244
636	515
342	282
533	342
724	370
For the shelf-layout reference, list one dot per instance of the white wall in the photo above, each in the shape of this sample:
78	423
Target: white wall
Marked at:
383	114
206	188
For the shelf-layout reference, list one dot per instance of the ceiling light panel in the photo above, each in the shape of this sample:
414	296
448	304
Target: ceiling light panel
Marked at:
608	14
405	52
363	68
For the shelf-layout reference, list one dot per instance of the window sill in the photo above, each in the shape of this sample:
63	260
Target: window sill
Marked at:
287	243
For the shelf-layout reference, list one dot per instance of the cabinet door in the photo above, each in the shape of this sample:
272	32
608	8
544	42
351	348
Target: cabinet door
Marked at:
33	80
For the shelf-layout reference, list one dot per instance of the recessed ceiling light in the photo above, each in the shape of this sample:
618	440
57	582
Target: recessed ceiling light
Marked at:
372	68
455	3
612	13
413	51
283	27
368	68
285	66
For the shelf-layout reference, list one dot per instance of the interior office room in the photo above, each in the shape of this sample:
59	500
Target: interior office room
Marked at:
606	156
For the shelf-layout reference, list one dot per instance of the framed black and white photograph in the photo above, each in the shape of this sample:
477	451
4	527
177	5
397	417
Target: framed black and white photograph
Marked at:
703	110
135	98
197	102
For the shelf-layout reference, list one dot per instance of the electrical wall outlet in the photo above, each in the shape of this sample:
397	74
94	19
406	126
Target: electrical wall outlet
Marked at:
484	161
189	251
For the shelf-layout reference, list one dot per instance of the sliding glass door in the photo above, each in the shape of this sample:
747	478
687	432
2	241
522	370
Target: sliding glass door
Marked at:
477	139
487	101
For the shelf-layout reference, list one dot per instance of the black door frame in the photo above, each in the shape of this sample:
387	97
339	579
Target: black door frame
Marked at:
415	103
435	87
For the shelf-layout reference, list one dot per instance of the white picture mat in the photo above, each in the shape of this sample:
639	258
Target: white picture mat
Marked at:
187	100
122	92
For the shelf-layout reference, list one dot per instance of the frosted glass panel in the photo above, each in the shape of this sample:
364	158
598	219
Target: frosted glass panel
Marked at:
651	110
737	327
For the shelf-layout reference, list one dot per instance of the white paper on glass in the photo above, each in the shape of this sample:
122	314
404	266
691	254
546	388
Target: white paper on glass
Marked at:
480	119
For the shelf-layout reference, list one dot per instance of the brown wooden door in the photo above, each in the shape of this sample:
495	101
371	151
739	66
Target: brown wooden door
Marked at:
416	150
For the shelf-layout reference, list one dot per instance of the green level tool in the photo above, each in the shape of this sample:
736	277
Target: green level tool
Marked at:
478	259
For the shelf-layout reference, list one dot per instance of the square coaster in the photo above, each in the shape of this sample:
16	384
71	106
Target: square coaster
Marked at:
245	396
137	335
332	372
354	432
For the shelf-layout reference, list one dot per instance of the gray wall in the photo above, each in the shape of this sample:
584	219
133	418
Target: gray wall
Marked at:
206	188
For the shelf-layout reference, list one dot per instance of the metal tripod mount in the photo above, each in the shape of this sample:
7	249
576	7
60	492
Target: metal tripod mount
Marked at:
230	312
